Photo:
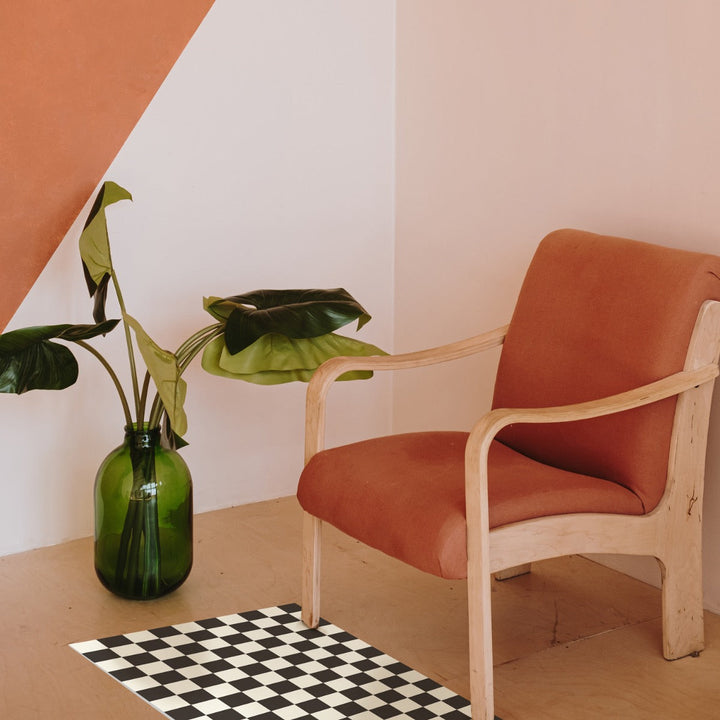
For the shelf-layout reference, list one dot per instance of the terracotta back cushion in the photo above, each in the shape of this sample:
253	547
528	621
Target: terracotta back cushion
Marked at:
598	315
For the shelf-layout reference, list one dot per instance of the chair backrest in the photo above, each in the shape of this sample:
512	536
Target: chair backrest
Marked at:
599	315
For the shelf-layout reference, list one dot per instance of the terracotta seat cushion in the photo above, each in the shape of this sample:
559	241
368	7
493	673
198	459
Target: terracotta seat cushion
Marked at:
405	495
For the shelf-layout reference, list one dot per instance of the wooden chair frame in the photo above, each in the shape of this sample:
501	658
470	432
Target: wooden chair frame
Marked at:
671	532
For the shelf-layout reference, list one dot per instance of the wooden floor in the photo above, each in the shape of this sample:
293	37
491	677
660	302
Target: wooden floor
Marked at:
572	640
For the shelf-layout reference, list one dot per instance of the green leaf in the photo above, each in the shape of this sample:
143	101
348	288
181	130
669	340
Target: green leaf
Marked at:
219	308
29	361
275	358
293	313
163	368
87	332
169	438
95	245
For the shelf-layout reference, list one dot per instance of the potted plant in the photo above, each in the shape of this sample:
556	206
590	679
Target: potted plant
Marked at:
143	489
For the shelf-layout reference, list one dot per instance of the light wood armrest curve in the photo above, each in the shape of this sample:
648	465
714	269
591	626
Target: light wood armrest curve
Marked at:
330	370
490	424
485	430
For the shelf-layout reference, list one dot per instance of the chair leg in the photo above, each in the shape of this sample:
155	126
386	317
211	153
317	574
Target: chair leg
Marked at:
480	641
312	535
682	603
513	572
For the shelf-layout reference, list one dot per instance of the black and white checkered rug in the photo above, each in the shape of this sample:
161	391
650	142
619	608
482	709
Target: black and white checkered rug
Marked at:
267	665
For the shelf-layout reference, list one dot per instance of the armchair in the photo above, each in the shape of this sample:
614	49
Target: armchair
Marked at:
595	442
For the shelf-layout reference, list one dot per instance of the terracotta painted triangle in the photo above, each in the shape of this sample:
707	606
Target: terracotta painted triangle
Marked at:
75	77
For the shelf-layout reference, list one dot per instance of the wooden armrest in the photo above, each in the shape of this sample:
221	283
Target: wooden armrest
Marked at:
330	370
485	430
490	424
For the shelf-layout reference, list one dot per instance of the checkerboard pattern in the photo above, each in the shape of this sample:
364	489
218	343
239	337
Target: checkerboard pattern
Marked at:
267	665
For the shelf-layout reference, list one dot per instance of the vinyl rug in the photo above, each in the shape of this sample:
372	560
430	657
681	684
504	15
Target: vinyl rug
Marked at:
267	665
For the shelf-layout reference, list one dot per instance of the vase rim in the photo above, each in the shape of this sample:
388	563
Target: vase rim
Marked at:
133	428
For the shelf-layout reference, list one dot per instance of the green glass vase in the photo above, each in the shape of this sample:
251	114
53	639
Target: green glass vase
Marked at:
143	518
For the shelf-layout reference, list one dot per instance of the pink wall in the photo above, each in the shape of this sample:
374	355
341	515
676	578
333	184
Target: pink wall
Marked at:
75	76
515	118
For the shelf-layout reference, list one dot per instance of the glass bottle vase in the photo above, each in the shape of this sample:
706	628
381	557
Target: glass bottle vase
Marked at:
143	517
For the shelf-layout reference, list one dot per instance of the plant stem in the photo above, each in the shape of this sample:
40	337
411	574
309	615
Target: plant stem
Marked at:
184	356
138	568
128	341
113	377
143	395
196	342
152	561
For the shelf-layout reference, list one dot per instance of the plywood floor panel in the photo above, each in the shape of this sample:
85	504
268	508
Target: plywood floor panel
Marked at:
572	640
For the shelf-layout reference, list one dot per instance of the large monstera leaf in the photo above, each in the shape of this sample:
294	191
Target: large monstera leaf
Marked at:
292	313
163	368
95	246
30	361
275	358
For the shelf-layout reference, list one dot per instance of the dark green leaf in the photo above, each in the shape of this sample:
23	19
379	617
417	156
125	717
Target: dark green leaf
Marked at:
87	332
274	358
169	437
17	340
29	361
99	296
293	313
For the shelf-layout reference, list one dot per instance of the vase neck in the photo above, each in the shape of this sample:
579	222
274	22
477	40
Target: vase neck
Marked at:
143	437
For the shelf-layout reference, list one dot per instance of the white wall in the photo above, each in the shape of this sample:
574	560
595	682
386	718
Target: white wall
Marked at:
518	117
265	160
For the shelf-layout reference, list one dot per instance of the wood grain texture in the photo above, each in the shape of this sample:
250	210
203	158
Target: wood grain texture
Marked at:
573	639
